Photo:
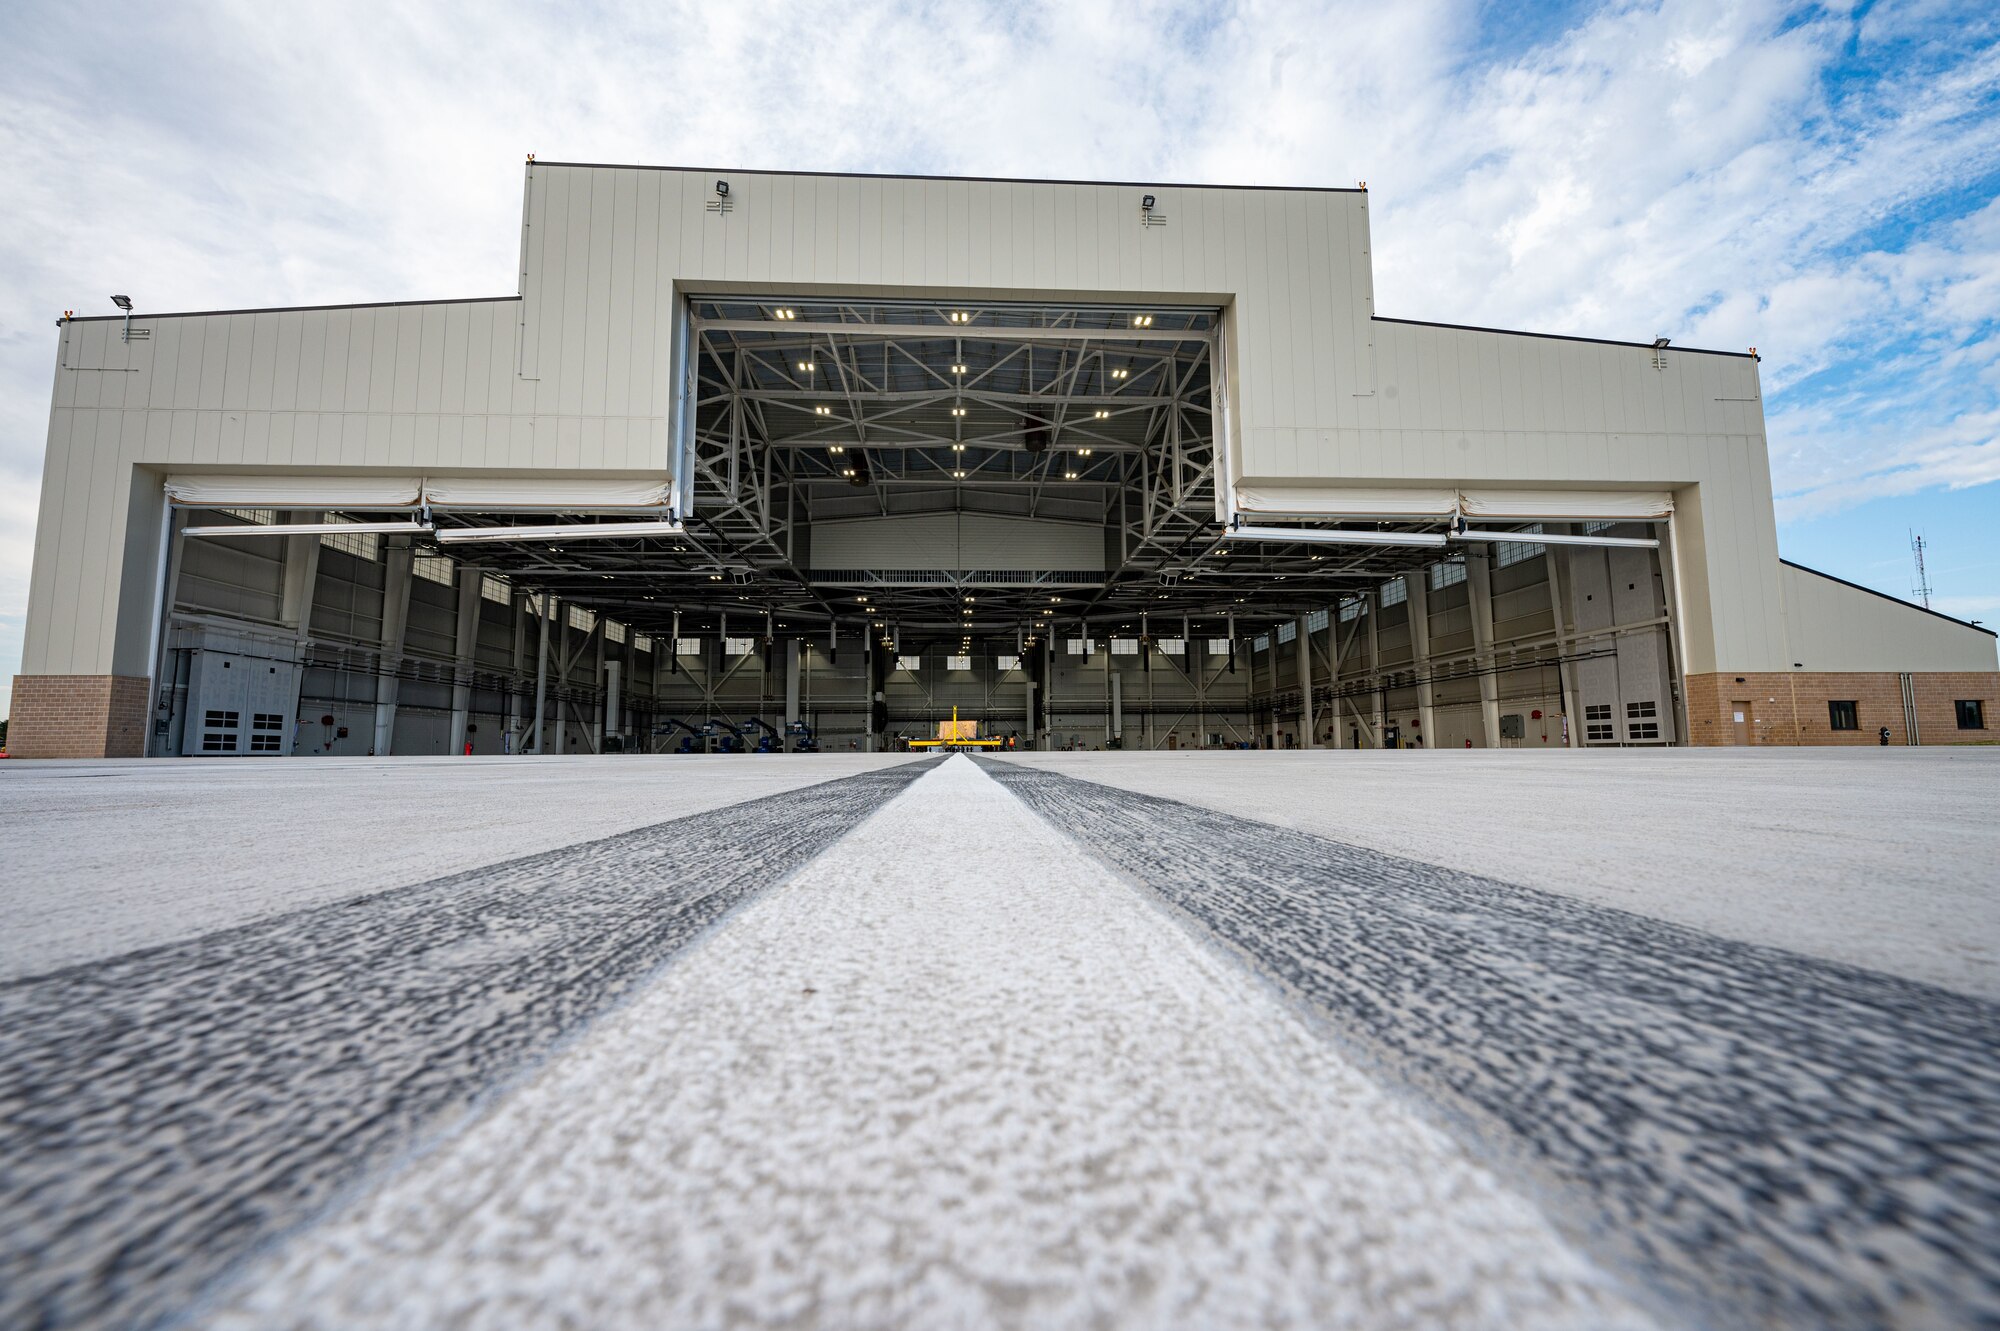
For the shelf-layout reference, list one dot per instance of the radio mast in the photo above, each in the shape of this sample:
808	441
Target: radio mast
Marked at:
1922	591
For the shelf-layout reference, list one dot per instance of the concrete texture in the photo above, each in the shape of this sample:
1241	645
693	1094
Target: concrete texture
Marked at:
1768	1139
1888	859
104	857
952	1075
168	1110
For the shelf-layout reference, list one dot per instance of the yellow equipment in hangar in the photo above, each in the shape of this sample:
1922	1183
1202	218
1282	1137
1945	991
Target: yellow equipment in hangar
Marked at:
957	734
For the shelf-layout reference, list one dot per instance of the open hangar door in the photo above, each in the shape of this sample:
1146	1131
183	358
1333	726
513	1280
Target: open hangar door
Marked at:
889	510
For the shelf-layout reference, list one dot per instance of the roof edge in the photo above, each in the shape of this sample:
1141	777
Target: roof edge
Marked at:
285	309
1908	605
977	180
1561	337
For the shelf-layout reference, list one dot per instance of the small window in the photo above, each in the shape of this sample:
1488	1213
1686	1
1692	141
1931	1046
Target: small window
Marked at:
1843	715
221	720
1971	714
434	568
1508	553
1444	575
1396	590
1597	727
613	631
496	589
1352	610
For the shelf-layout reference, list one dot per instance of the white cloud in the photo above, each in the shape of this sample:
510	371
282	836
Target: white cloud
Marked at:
1687	169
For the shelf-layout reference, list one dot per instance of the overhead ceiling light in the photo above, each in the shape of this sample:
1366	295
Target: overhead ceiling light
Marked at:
958	448
1083	452
1142	321
715	577
822	411
847	471
959	475
1101	414
1321	535
569	531
960	317
958	369
783	313
958	411
1119	374
806	367
1069	475
837	448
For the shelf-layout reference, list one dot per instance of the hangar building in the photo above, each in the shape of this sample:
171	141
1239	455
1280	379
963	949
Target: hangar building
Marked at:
791	460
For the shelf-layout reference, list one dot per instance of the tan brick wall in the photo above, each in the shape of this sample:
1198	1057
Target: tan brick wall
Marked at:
1791	707
78	716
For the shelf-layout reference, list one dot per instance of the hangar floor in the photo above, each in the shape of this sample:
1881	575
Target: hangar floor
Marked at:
936	1067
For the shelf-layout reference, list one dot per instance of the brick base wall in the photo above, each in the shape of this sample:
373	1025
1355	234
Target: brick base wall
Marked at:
1791	707
78	716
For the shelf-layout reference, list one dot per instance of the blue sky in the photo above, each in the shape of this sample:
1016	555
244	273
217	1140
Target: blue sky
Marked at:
1817	181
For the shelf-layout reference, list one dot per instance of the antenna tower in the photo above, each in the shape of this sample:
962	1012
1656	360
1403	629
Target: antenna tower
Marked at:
1922	591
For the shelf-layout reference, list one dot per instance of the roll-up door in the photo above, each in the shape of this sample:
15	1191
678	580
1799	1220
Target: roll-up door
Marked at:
1566	505
526	494
1345	501
312	492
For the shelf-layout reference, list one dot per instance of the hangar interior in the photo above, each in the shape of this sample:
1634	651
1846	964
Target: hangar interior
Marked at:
903	511
816	462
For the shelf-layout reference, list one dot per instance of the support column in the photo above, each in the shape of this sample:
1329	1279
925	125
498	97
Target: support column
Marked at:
1271	646
396	564
793	650
614	701
542	671
465	647
517	604
597	683
1304	641
561	718
1565	669
296	606
1479	586
1419	601
1374	612
1117	697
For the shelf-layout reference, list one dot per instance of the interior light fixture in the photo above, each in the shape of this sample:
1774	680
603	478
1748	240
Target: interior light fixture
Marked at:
783	312
822	411
1083	452
1142	321
1119	374
308	529
958	475
958	448
837	448
958	411
1101	414
1069	475
805	367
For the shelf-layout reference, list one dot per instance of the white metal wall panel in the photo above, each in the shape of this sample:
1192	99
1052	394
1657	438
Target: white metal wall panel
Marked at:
958	541
1833	626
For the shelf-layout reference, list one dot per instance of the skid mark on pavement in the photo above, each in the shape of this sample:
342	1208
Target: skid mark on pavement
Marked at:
164	1112
1779	1140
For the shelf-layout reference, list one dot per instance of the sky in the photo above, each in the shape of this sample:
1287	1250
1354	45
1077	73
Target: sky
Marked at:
1816	181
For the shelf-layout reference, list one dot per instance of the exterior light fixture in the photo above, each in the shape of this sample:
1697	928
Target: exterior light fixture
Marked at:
123	302
722	189
1147	203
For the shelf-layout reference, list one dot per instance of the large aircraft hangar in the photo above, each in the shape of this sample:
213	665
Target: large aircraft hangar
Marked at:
795	462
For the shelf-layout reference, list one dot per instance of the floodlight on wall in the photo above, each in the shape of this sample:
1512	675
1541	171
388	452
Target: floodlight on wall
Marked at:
1146	203
721	189
123	302
1325	536
569	531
